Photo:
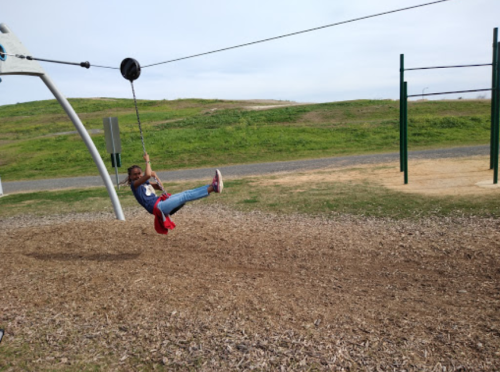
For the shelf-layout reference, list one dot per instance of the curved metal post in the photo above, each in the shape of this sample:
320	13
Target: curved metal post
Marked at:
16	66
90	146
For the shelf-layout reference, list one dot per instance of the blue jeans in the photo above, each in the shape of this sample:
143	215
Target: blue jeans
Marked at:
176	200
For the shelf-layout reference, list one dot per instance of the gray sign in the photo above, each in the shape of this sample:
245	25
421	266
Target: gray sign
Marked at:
112	135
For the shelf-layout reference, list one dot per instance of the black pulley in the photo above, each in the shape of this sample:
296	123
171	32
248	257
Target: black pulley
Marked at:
130	69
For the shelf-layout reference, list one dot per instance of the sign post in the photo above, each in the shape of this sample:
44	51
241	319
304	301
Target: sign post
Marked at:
113	144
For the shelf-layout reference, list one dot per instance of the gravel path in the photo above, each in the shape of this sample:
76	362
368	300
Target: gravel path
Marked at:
249	169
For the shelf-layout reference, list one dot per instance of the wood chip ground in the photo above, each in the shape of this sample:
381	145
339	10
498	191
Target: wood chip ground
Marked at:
228	290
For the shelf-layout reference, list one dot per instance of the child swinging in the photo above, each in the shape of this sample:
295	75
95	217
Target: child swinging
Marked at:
165	205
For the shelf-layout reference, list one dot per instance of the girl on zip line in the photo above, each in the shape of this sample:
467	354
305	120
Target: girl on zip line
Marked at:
165	205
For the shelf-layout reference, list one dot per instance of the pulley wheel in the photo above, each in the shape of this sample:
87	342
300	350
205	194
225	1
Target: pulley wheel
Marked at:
130	69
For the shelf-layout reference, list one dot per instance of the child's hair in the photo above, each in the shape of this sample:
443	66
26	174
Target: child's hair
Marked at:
126	181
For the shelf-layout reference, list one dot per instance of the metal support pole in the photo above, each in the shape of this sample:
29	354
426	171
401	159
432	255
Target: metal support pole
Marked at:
494	93
401	109
405	131
90	145
496	117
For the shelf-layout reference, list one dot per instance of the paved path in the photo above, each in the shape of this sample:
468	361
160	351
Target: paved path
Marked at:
248	169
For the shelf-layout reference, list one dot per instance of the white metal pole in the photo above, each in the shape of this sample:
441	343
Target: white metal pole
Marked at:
90	146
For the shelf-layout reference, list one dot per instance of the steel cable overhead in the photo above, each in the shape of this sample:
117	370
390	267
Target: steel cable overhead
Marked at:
88	65
297	33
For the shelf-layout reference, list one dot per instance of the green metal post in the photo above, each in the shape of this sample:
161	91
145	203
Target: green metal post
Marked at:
494	94
401	109
496	117
405	126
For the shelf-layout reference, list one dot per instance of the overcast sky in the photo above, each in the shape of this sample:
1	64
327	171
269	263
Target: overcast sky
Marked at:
350	61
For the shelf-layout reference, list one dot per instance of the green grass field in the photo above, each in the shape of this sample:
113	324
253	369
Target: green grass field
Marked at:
202	133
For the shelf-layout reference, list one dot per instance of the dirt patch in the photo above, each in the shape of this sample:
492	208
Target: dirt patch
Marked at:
249	291
270	101
266	104
102	99
463	176
277	105
457	176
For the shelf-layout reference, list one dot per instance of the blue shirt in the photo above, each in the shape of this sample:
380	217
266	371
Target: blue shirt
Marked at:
145	195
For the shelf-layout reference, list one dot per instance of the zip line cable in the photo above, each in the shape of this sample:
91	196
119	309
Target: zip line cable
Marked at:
88	65
297	33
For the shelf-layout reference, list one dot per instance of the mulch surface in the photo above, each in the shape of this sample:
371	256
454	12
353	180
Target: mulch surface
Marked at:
229	290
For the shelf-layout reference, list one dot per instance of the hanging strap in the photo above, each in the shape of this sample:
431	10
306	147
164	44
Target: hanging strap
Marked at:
138	118
142	136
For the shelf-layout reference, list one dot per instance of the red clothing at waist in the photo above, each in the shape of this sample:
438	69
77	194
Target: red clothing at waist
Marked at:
162	223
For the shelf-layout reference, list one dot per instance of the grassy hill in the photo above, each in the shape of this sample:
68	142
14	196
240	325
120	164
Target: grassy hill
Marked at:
35	143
